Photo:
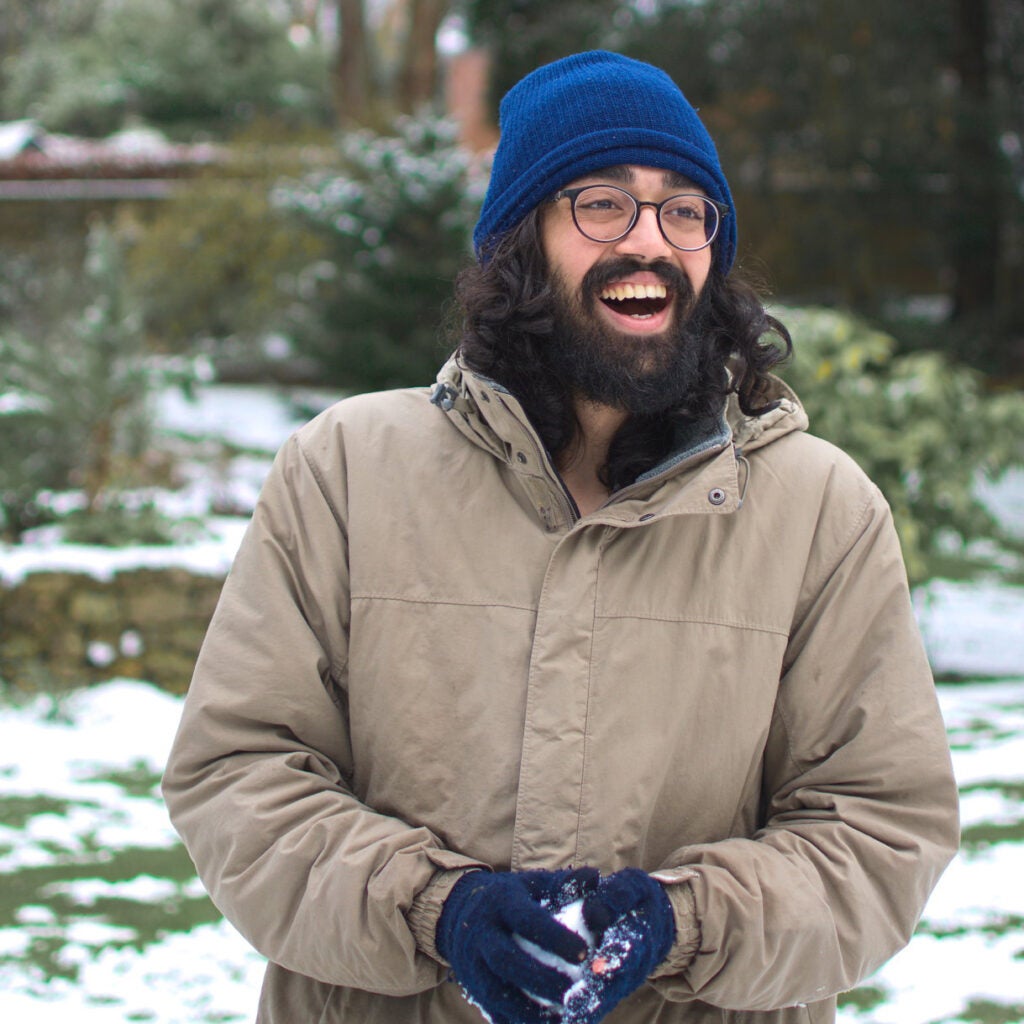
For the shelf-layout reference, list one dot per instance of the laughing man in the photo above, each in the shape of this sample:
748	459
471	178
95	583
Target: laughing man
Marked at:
584	683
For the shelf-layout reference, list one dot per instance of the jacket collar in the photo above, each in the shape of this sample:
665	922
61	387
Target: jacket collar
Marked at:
492	418
491	412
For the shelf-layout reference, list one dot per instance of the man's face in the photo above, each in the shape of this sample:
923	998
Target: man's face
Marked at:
571	255
623	307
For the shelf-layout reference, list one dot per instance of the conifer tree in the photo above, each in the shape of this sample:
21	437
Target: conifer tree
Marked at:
75	386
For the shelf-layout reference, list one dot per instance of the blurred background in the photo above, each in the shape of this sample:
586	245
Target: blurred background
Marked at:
218	216
283	190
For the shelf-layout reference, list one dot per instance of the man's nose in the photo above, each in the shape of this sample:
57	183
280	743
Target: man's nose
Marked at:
645	240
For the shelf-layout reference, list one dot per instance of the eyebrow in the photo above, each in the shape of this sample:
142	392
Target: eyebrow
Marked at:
673	179
623	174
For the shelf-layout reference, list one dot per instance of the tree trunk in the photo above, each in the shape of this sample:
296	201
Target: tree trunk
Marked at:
352	69
418	74
975	213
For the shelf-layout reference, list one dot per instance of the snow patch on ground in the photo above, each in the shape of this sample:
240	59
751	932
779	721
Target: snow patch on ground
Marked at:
99	750
210	556
252	416
972	629
208	974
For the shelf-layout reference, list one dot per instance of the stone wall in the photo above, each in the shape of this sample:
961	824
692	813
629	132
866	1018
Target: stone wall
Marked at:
64	629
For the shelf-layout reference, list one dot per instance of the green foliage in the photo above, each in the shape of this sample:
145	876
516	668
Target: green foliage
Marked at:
844	94
75	380
922	428
523	34
34	456
863	998
219	261
187	65
867	168
118	523
397	220
835	134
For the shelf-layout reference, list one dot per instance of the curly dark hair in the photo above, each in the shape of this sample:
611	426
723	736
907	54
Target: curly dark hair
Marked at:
508	321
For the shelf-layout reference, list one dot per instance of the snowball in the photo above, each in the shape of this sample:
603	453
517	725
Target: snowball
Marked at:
571	915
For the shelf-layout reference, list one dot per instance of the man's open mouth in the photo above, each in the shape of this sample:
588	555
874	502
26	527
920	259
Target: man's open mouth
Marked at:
636	300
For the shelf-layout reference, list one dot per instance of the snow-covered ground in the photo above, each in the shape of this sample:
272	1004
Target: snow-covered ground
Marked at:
102	919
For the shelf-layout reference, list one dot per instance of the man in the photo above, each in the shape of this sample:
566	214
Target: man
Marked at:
585	678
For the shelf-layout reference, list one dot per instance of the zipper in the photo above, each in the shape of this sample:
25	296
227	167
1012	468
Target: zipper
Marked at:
566	501
570	512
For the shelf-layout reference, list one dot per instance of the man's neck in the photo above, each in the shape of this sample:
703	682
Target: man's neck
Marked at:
580	464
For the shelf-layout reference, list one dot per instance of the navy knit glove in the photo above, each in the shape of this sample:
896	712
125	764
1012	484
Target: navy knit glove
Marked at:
476	930
633	925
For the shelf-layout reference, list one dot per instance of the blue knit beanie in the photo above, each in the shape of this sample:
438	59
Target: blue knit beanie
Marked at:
590	111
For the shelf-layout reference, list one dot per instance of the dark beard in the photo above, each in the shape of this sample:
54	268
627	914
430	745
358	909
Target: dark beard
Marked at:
679	369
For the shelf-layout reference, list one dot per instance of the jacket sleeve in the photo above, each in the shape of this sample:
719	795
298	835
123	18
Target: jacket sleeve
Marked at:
859	801
259	780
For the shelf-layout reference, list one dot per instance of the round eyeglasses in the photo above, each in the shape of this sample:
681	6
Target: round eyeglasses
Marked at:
606	213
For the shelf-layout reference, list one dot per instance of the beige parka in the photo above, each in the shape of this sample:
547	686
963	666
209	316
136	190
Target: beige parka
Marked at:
423	661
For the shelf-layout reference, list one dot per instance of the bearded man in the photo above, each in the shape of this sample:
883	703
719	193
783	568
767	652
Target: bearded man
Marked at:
585	683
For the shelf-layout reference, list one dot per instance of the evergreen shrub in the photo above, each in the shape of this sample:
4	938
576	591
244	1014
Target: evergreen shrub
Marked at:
923	428
120	523
397	218
186	67
76	379
216	269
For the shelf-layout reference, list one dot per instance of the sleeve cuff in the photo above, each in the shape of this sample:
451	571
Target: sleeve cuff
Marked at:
426	908
687	943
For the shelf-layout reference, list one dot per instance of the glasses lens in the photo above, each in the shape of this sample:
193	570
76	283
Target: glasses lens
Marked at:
604	212
689	222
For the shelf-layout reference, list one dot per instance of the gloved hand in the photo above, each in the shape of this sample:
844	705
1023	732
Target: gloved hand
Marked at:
633	925
475	934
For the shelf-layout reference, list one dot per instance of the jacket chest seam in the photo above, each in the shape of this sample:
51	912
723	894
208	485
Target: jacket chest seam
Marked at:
433	600
697	620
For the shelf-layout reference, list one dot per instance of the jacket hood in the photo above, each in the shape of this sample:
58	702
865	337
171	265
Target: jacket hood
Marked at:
752	432
490	416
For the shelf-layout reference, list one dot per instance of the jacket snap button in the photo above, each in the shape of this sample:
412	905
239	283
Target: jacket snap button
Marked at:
716	496
521	457
645	518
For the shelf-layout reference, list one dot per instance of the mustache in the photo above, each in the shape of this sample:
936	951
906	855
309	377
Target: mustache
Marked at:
608	271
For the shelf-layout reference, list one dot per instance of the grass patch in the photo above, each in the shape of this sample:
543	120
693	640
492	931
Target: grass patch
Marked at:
967	735
986	834
1004	924
28	886
863	998
16	811
139	780
985	1011
1012	790
144	922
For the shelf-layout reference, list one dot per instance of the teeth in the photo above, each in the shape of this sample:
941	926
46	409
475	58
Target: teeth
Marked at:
619	292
